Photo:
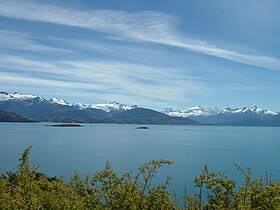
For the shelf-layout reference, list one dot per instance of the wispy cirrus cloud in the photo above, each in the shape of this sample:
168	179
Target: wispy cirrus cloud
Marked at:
130	83
145	26
11	40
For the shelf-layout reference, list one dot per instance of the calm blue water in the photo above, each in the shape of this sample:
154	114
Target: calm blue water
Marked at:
61	151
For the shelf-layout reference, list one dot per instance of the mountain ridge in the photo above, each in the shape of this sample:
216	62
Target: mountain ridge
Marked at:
58	110
226	116
12	117
206	111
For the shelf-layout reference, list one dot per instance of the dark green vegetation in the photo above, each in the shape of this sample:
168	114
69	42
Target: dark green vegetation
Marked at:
12	117
26	188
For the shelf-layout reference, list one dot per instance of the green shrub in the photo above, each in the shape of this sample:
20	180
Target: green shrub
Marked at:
26	188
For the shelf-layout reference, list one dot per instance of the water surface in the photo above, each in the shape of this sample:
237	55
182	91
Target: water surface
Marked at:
61	151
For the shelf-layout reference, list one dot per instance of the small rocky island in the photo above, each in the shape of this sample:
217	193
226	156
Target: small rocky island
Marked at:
65	125
142	127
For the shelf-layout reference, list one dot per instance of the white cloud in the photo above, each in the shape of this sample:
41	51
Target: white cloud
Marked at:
146	26
11	40
96	79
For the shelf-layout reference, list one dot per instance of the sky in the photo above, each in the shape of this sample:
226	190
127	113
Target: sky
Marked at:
153	53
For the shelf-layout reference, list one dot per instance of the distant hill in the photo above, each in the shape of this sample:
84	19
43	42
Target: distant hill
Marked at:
12	117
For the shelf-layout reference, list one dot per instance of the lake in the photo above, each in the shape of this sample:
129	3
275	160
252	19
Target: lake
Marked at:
62	151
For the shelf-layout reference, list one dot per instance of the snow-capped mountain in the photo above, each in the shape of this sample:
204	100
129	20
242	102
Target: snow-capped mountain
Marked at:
254	109
57	110
4	96
207	111
59	101
32	99
194	111
107	107
228	116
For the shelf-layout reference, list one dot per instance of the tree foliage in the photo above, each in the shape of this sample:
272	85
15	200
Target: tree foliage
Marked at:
26	188
222	192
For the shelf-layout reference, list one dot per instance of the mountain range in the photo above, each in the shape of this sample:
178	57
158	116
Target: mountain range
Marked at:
37	108
229	116
56	110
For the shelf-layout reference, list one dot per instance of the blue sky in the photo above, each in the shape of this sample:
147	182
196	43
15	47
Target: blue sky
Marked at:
155	54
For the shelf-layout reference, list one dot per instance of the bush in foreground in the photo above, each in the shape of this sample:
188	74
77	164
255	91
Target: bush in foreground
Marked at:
26	188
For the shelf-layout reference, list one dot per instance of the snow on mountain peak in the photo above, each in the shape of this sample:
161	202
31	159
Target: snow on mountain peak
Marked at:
173	112
208	111
212	110
107	107
193	111
253	110
4	96
59	101
196	111
112	106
